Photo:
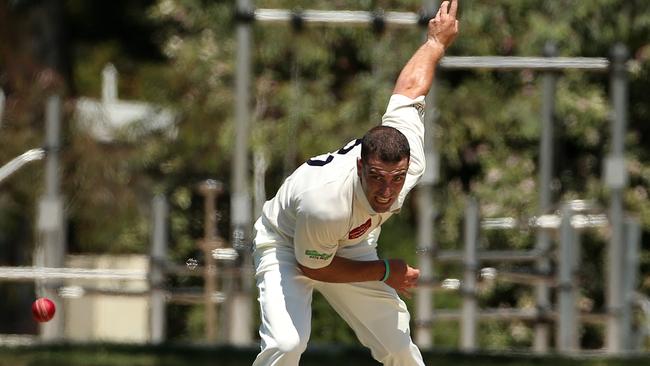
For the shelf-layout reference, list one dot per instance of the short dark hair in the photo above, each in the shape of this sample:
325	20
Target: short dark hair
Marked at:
385	143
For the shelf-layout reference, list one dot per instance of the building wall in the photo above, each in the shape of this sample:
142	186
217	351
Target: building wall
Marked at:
98	317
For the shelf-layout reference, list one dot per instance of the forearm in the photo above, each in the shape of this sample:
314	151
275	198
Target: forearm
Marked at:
343	270
416	77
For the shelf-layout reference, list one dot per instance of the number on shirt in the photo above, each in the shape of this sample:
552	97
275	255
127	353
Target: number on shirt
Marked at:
344	150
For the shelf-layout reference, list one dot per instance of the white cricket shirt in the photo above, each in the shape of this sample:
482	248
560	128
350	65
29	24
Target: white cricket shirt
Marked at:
321	210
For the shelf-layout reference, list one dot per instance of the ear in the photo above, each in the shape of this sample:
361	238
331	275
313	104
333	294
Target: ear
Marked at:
359	167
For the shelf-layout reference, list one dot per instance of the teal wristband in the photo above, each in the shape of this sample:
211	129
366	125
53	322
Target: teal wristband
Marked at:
387	271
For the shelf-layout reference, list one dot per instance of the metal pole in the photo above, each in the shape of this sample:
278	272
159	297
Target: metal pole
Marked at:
210	189
259	172
543	242
157	274
566	326
424	295
530	63
240	198
616	179
469	319
293	118
631	277
240	201
425	237
51	251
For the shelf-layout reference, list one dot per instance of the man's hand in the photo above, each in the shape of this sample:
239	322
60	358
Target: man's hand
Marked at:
402	277
443	28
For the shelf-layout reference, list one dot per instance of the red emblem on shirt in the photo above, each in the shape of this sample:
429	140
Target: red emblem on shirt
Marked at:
360	230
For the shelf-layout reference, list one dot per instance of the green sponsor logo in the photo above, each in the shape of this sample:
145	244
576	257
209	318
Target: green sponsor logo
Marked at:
312	254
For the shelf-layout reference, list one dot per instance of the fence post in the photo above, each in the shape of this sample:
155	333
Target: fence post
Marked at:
543	241
567	338
469	318
210	189
426	246
616	180
51	222
157	268
630	277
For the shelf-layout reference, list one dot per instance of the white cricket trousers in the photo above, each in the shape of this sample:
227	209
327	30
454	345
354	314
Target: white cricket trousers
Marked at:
373	310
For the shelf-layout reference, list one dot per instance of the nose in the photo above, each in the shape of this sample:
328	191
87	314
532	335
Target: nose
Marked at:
386	190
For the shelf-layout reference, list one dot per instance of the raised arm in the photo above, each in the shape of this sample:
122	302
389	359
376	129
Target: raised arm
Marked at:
417	75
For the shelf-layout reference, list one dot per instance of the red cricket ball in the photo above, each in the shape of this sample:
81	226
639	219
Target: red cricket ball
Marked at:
43	309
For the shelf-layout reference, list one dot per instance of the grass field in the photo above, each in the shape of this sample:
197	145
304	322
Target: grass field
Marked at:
186	355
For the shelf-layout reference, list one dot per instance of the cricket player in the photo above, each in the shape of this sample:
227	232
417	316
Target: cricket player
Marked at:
320	230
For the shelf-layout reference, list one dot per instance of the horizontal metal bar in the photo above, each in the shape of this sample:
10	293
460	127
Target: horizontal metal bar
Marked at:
194	298
534	63
514	62
509	314
578	221
74	292
334	17
46	273
526	277
489	314
492	255
199	271
13	340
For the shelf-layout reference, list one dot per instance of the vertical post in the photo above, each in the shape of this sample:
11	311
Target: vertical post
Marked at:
210	189
294	112
426	249
379	50
157	268
543	241
616	180
631	277
240	199
426	245
425	253
259	190
567	341
51	251
109	84
469	312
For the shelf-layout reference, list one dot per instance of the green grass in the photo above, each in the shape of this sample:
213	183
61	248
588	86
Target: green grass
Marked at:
186	355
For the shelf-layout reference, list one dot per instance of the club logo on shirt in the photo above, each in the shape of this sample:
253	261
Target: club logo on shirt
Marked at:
313	254
360	230
420	109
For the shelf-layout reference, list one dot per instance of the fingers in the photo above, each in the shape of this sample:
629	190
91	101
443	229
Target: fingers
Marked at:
444	8
436	19
453	8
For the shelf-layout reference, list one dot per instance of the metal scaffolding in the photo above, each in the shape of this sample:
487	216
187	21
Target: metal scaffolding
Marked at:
549	66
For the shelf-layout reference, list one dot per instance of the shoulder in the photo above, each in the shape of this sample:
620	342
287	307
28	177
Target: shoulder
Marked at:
330	201
402	103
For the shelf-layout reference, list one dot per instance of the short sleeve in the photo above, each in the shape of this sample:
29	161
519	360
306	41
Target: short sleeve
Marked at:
407	116
315	243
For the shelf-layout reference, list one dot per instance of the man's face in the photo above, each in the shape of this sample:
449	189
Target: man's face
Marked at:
381	181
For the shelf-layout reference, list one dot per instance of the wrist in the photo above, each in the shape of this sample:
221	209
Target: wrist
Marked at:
386	270
435	45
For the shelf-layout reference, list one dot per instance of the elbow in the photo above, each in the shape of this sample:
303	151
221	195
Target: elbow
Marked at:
411	90
312	273
413	85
